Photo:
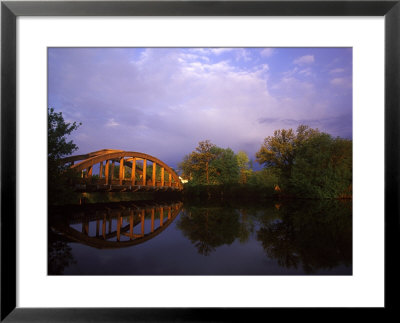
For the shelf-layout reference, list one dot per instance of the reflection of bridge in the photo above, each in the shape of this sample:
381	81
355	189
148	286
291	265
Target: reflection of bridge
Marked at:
115	228
97	172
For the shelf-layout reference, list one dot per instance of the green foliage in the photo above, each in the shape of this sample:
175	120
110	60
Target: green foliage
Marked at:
224	167
210	164
278	151
267	178
59	174
323	168
308	163
58	130
245	169
200	161
304	163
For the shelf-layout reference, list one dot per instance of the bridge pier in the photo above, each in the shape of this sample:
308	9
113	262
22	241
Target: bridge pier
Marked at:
106	174
154	173
144	172
121	170
133	175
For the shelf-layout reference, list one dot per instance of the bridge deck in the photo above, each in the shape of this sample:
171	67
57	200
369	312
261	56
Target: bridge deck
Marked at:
122	188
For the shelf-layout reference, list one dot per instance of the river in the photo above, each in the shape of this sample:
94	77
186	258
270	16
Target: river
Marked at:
292	237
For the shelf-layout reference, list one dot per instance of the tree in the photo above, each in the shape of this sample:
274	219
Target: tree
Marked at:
186	168
266	178
210	164
323	168
224	167
309	163
197	164
278	151
58	146
58	130
244	166
202	157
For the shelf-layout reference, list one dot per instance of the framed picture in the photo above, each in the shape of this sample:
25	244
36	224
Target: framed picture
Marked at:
363	35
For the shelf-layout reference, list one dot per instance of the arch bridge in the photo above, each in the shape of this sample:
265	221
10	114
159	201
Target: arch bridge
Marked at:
119	170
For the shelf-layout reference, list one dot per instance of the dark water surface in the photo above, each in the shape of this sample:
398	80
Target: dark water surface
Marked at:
171	238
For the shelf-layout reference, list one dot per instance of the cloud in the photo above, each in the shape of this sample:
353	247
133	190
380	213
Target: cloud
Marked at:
306	72
221	50
337	71
340	125
267	52
112	123
341	81
303	60
163	101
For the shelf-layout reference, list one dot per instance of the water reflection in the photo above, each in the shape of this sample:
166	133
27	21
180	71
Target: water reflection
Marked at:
309	234
209	228
118	227
288	237
59	254
312	234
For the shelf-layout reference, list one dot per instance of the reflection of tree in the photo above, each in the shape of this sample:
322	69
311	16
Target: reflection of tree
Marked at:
60	255
246	226
313	234
208	228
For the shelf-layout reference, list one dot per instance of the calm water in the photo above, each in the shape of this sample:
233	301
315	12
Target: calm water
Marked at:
277	238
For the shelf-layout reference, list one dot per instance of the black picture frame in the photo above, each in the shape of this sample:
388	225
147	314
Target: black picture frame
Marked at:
10	10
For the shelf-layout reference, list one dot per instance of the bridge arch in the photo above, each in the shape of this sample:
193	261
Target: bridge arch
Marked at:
107	158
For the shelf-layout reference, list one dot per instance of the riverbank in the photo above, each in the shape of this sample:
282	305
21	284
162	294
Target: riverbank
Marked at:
241	192
244	193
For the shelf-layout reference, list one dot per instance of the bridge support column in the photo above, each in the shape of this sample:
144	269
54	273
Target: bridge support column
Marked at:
169	179
162	176
133	177
89	171
106	172
101	170
144	172
121	171
112	171
154	173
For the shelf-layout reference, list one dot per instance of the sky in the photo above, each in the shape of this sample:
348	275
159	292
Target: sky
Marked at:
164	101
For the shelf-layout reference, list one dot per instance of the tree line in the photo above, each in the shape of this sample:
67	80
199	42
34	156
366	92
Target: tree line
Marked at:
302	163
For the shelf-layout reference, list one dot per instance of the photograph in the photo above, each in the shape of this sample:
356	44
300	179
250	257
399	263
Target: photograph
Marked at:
223	159
200	161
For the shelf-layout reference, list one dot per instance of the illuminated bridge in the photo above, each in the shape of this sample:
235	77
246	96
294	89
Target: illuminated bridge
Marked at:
119	171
